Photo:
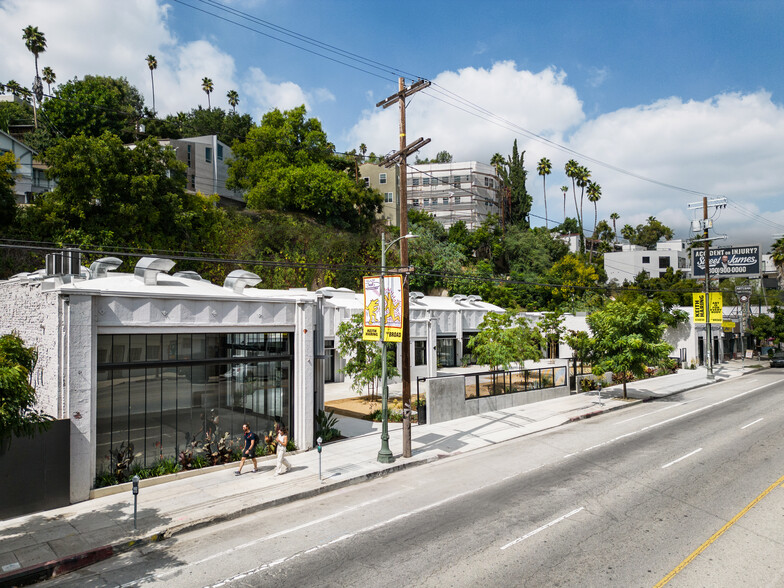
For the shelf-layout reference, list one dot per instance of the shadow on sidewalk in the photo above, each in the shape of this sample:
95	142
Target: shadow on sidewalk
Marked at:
40	546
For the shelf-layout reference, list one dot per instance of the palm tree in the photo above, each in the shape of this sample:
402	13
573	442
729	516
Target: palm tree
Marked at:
363	149
583	175
49	77
152	63
565	190
594	195
36	44
234	99
497	161
615	216
777	255
544	168
206	85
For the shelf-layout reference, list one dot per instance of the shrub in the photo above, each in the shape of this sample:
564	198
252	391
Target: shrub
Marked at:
325	426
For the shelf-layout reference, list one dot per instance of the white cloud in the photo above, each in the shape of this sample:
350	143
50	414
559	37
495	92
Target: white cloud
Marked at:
267	95
730	145
598	75
540	102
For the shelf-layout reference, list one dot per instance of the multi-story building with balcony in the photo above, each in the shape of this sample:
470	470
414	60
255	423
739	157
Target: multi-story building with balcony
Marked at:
387	181
30	175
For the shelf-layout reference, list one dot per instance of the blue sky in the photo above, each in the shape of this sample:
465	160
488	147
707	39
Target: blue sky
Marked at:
685	93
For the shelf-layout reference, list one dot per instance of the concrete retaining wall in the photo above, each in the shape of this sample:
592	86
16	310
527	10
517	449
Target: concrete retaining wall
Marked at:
446	399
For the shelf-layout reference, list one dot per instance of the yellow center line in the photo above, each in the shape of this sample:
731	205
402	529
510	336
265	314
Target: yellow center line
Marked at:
718	534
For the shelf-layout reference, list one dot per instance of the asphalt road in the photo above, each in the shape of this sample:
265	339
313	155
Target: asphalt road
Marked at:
686	490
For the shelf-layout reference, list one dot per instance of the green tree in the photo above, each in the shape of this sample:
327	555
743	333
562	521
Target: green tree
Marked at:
769	326
614	217
234	99
594	195
532	252
551	327
108	195
49	77
572	170
208	87
95	105
647	235
152	63
627	338
565	190
513	176
777	255
573	278
15	113
229	127
363	358
439	258
288	164
583	179
570	226
544	168
8	165
18	415
35	41
504	339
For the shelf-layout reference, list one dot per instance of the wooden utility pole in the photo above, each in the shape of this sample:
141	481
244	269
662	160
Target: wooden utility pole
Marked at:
400	157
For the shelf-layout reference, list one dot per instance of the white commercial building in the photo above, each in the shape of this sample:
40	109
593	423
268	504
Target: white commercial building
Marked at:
625	265
157	360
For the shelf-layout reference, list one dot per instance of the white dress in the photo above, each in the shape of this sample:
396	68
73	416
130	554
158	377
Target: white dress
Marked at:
281	452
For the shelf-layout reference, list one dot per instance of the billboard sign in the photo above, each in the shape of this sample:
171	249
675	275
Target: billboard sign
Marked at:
728	262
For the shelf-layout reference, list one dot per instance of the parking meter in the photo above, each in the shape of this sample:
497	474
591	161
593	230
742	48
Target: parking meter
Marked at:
318	444
135	490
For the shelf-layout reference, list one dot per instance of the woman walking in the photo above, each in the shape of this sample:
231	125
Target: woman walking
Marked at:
282	440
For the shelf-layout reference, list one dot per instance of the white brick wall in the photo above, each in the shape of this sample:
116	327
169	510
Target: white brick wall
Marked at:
34	315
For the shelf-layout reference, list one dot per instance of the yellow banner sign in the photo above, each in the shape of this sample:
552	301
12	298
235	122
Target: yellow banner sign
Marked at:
393	309
728	326
715	309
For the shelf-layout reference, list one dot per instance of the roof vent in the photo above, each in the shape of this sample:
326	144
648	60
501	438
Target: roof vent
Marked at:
415	297
99	267
65	262
148	268
189	275
459	299
474	298
238	279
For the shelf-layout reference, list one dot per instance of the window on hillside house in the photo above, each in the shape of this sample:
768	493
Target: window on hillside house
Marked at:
220	152
208	154
415	202
388	197
426	202
664	262
382	178
367	182
415	181
445	200
646	259
425	181
189	155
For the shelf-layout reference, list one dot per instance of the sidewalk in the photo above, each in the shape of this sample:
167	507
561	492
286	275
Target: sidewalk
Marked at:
51	543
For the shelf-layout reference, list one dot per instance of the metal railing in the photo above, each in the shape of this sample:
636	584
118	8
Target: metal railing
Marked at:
495	383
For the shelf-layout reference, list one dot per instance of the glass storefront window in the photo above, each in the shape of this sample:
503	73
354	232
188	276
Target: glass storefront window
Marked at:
162	392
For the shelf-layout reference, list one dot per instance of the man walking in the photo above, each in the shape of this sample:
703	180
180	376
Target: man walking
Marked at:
251	440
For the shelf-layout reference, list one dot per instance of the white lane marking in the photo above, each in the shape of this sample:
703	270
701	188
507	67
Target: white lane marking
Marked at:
650	413
682	458
367	529
281	533
751	423
680	416
543	527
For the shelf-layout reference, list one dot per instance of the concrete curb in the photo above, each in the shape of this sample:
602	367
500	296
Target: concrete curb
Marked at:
588	415
64	565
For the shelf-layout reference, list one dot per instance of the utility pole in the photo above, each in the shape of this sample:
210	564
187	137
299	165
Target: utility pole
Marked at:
705	225
405	150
